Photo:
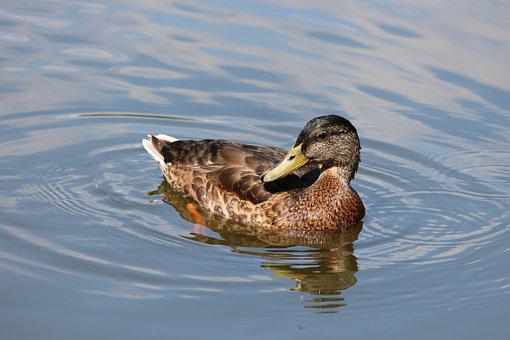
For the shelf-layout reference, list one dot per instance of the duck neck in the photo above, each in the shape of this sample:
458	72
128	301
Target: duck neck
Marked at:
331	199
333	180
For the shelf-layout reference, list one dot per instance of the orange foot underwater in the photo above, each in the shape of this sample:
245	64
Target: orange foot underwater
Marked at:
198	220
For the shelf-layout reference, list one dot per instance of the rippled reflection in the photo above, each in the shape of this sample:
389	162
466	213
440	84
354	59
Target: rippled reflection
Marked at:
323	272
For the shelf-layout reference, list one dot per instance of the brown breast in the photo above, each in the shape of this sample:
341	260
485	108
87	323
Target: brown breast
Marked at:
330	203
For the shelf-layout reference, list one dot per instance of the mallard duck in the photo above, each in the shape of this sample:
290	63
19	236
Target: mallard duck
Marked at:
307	188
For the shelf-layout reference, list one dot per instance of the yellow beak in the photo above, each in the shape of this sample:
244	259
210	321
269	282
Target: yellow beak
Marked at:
292	161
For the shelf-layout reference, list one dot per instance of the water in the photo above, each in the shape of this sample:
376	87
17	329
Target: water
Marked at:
89	248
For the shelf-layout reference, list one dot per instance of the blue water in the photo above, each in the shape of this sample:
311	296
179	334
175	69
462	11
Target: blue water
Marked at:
91	248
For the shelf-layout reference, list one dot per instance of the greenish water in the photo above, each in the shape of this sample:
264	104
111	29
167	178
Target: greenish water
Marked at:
90	248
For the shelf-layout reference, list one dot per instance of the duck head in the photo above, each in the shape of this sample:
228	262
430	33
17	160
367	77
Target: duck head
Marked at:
328	141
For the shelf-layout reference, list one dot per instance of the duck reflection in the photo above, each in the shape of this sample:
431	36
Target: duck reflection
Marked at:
324	268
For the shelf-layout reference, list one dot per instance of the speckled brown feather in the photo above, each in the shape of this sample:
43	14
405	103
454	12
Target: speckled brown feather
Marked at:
224	177
232	167
251	235
329	203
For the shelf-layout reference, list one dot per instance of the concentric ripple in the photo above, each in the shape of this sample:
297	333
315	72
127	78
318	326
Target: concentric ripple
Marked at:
91	213
452	211
420	211
94	244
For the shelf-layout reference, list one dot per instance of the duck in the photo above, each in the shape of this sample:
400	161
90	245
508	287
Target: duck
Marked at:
307	188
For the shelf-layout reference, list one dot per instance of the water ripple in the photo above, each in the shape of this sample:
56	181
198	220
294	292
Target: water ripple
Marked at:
84	213
426	218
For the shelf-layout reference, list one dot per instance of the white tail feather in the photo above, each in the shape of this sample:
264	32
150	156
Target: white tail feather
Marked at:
166	138
149	146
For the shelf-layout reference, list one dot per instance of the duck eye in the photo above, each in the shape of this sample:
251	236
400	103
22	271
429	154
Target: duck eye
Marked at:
321	135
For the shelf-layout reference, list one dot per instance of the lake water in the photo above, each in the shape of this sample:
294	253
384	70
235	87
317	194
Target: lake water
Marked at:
90	248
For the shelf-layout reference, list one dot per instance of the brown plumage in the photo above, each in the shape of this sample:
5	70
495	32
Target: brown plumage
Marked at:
225	177
243	235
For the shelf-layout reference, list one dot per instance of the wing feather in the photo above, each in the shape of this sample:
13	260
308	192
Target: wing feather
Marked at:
227	166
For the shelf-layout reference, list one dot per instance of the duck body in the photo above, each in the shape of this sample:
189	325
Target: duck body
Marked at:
231	180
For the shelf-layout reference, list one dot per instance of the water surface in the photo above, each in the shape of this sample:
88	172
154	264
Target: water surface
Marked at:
91	247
